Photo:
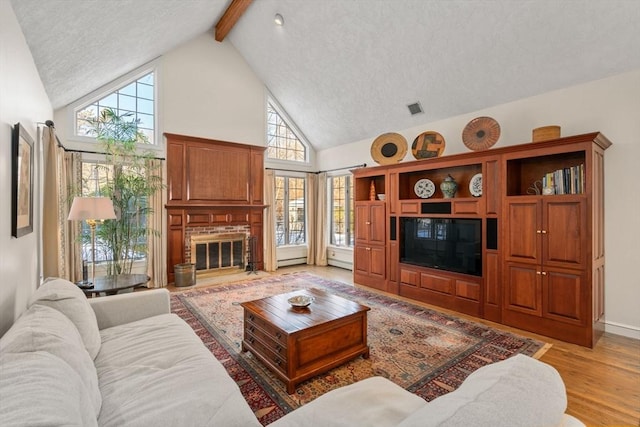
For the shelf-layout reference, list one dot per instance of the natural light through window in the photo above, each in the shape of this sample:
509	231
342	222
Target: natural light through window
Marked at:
342	218
135	101
290	211
283	143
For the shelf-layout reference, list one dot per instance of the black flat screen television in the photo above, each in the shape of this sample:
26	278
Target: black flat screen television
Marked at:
442	243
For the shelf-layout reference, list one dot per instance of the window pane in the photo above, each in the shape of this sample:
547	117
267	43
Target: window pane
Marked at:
145	121
145	91
130	89
296	211
145	106
110	101
148	79
126	102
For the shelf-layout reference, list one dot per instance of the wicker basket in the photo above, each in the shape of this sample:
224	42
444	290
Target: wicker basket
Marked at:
546	133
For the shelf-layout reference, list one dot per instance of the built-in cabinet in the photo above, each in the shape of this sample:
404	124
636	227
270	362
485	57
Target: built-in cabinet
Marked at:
542	250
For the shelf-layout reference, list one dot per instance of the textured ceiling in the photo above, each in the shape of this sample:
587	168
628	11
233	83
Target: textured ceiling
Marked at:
345	70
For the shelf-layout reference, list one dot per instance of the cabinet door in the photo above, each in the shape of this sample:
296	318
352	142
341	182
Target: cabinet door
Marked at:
523	290
523	226
361	259
564	233
564	295
362	222
377	261
370	223
377	227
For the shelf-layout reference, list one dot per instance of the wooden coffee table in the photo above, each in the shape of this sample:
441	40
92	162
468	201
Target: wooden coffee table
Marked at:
300	343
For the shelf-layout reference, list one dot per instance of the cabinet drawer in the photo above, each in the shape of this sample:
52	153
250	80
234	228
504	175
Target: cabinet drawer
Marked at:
409	207
409	277
468	207
436	283
467	290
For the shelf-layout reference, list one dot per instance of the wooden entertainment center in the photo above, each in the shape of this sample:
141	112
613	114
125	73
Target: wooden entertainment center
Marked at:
542	256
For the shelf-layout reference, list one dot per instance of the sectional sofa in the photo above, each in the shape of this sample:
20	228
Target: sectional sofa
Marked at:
125	360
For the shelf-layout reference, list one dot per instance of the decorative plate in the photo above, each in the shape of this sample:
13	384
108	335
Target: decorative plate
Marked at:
475	185
427	145
481	133
389	148
301	300
424	188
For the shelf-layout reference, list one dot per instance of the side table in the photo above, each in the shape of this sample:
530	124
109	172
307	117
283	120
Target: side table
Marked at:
110	285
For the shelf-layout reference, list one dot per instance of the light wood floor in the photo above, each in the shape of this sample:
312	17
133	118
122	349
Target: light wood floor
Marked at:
603	383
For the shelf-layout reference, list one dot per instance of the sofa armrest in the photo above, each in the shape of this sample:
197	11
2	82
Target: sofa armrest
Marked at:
125	308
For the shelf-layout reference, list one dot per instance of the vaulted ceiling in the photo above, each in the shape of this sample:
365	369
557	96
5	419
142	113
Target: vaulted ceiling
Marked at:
345	70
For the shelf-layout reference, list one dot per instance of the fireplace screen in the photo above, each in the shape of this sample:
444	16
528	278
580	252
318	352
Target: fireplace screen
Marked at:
217	252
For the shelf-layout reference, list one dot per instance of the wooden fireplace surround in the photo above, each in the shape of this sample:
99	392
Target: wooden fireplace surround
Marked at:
213	184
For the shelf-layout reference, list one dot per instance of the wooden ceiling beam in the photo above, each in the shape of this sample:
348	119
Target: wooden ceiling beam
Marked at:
230	17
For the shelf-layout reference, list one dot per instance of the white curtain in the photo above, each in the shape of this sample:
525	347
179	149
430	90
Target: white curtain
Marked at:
270	259
322	213
156	255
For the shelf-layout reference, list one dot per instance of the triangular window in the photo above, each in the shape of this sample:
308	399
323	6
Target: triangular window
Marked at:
134	100
282	141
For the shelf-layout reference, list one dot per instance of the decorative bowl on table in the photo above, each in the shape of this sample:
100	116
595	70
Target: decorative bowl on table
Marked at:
300	301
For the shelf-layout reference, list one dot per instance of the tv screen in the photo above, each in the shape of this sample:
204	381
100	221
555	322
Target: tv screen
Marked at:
442	243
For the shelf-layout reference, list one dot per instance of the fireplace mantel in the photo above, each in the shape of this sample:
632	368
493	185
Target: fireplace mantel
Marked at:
212	184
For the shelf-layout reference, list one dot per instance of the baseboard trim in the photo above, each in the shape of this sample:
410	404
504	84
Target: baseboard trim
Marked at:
341	264
621	329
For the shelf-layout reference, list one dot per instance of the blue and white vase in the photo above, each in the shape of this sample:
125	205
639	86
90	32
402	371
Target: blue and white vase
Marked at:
449	187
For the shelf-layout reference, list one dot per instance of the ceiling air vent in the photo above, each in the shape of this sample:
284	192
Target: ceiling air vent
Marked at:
415	108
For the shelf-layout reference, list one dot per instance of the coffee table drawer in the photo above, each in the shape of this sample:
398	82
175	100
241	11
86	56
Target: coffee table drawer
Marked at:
277	359
273	345
254	323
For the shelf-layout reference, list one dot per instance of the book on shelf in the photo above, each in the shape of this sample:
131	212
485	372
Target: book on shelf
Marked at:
566	180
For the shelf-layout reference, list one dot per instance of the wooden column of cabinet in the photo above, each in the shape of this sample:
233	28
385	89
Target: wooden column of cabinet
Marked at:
542	255
209	184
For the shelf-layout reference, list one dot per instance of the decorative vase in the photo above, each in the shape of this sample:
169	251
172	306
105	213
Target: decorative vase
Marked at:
449	187
372	191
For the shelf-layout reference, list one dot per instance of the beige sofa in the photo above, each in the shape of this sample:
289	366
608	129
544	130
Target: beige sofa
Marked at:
125	360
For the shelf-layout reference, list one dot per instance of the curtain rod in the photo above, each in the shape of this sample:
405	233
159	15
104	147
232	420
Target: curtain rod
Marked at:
362	165
50	124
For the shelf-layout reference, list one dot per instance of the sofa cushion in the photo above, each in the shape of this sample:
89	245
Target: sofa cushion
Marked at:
156	371
519	391
43	328
373	402
40	389
67	298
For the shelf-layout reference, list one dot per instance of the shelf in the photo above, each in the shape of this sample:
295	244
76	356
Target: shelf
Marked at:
461	174
523	173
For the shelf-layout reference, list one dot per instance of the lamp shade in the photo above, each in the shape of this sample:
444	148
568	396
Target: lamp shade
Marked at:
97	208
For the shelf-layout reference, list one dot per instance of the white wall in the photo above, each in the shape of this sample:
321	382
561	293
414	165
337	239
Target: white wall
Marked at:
22	99
611	106
209	91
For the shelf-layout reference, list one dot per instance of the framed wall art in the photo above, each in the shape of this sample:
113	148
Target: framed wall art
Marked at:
22	188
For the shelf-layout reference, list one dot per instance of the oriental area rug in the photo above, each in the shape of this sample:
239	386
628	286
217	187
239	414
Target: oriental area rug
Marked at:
422	350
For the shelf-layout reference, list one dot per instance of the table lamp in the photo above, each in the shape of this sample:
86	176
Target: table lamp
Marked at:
92	210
